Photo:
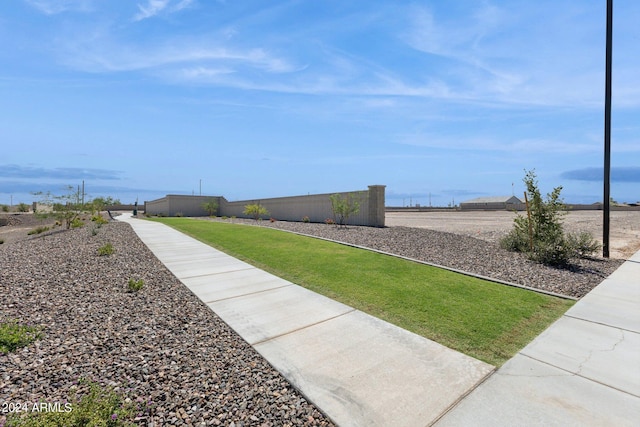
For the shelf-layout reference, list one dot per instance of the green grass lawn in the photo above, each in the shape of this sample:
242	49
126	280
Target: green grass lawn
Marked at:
485	320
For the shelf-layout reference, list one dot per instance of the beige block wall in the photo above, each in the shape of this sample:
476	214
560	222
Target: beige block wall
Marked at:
316	206
176	204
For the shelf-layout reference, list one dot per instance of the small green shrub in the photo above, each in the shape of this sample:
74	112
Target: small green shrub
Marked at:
101	406
582	244
38	230
225	217
329	221
105	250
23	207
98	219
77	223
135	285
540	234
14	335
211	206
5	208
306	219
344	207
179	215
255	210
1	241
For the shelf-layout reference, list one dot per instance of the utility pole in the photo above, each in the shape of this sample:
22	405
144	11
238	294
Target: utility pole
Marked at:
607	133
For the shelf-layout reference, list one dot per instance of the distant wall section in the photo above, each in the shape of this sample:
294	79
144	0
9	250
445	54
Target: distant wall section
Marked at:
315	206
176	204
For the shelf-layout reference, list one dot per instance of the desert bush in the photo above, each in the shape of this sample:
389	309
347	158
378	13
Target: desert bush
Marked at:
77	223
256	211
211	206
582	244
5	208
98	219
135	285
66	209
38	230
344	207
541	236
23	207
106	250
100	406
14	335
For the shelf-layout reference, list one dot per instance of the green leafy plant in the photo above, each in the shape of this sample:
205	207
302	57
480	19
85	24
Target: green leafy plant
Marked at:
540	233
98	219
14	335
97	406
211	206
256	211
106	250
344	207
5	208
23	207
77	223
135	285
306	219
38	230
329	221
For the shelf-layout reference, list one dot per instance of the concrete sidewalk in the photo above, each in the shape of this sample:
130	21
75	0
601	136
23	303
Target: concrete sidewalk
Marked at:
359	370
584	370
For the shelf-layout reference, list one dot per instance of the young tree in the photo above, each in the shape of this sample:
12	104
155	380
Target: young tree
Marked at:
344	207
256	210
540	234
66	208
211	206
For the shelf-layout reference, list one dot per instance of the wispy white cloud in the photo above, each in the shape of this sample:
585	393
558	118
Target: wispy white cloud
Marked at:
199	59
53	7
516	53
497	143
151	8
155	7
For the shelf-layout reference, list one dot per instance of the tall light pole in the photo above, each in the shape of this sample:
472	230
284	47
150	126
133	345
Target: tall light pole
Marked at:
607	133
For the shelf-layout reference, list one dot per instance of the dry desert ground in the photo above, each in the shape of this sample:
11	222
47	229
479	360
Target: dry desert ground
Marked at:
624	237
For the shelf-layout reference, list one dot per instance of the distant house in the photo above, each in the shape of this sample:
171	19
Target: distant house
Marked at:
492	203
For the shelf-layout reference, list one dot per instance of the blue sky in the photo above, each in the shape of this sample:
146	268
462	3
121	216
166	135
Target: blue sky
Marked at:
440	101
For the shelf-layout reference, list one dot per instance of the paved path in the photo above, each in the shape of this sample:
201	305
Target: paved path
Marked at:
359	370
584	370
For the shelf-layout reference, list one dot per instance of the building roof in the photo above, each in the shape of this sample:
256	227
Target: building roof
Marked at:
495	199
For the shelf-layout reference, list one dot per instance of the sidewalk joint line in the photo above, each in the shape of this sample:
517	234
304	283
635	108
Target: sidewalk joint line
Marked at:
601	324
575	374
215	274
301	328
249	293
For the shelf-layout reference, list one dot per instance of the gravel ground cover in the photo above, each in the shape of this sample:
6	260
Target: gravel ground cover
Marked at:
461	252
160	345
163	345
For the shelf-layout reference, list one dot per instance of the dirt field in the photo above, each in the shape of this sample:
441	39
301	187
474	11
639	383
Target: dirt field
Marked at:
624	238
